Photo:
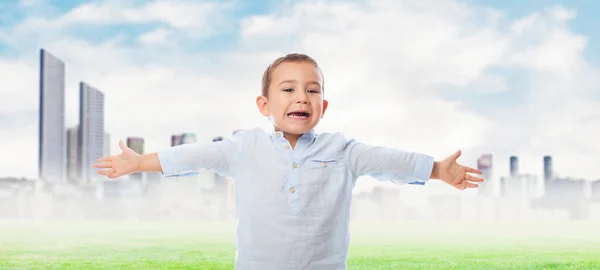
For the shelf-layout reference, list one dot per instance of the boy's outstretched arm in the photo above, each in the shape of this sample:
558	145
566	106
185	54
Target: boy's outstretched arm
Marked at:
398	166
179	160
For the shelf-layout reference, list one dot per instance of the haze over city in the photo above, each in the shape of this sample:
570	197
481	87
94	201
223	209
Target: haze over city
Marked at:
513	84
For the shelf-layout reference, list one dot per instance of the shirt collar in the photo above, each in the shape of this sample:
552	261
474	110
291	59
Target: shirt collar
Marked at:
309	135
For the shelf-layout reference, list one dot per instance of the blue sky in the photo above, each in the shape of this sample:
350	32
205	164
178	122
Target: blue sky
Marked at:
505	77
586	22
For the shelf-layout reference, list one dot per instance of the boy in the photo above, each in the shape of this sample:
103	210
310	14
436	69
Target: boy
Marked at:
293	186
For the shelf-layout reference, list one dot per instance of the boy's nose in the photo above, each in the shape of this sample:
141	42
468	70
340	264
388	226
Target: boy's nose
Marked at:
302	99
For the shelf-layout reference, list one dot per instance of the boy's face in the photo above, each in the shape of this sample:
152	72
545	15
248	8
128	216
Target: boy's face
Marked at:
295	100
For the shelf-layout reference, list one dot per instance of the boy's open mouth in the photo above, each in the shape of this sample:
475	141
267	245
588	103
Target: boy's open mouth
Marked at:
298	115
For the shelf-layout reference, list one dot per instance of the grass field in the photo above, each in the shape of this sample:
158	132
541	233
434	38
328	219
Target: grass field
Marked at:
195	245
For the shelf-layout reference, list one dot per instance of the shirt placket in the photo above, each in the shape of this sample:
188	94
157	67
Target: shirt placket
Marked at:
291	186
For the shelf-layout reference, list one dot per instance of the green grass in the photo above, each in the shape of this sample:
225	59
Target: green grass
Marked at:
195	245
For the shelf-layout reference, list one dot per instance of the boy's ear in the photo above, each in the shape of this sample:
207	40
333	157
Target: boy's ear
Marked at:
325	104
262	104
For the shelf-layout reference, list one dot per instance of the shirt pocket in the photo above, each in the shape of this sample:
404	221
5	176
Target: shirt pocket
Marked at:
316	163
323	180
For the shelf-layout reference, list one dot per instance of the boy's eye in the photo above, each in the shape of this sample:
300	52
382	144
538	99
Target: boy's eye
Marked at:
287	90
313	91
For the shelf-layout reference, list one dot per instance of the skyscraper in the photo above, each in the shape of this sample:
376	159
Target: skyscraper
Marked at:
183	139
51	151
72	154
136	144
547	168
514	166
175	140
188	138
484	164
91	131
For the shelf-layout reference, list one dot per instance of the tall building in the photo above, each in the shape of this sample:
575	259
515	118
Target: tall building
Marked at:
51	151
514	166
484	164
91	131
188	138
73	154
183	139
175	140
137	145
547	168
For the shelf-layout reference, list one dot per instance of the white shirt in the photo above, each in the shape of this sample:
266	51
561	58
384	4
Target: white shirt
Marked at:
293	205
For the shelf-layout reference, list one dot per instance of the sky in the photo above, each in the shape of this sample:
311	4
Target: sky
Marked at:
500	77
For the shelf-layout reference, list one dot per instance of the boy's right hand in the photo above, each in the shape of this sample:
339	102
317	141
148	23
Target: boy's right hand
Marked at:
118	165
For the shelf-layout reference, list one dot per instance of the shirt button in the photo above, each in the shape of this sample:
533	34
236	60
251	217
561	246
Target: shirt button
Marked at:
324	164
278	134
294	165
292	189
287	146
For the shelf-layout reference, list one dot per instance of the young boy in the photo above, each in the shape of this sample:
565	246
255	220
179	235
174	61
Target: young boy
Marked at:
293	186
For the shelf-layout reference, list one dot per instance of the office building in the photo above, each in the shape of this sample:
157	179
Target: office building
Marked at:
484	164
184	138
137	145
51	141
514	166
91	131
73	154
547	168
175	140
188	138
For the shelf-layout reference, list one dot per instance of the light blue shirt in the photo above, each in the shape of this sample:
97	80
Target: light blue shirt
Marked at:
293	205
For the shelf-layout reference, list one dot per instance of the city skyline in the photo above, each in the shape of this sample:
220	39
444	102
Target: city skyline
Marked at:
518	79
93	139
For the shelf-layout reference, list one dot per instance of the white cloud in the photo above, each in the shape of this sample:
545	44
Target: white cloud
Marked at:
16	89
158	36
385	63
193	19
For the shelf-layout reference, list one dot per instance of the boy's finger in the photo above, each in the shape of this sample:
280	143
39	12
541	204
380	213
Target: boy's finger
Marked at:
461	185
122	145
472	185
471	170
106	159
113	175
472	178
103	165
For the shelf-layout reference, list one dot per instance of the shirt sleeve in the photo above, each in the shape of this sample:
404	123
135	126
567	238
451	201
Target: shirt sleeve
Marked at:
187	159
388	164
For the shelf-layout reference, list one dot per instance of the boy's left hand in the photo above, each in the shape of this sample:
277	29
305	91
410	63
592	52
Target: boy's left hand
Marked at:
456	175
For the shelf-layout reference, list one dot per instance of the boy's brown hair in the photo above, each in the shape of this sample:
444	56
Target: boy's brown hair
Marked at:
292	57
